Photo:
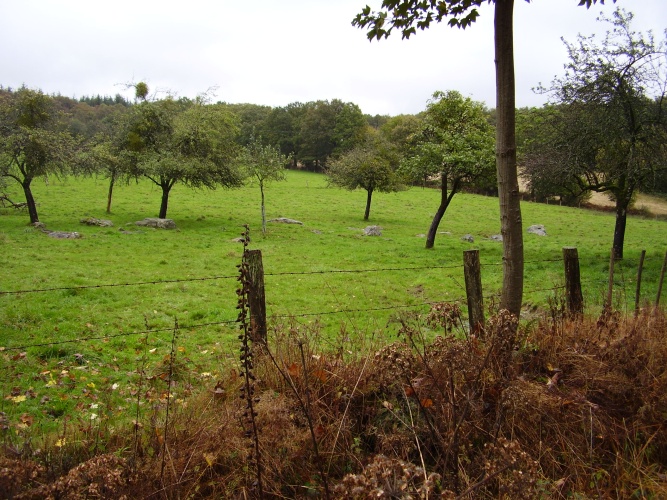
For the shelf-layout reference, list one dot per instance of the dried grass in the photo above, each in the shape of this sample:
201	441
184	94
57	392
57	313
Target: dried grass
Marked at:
567	408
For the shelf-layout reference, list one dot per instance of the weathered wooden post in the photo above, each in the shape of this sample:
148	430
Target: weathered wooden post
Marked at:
640	269
256	296
573	295
662	279
473	278
610	286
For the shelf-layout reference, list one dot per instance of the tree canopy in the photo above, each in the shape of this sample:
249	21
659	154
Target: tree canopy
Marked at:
609	132
34	141
407	16
170	141
263	164
454	144
371	166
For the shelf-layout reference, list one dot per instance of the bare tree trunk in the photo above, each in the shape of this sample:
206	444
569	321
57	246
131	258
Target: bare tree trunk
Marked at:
445	199
165	201
261	190
369	195
112	181
619	228
30	201
508	185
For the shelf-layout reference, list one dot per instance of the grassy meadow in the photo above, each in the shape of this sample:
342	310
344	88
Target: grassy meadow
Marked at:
104	336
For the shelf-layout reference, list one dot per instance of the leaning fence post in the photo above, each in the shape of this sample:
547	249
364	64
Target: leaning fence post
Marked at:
610	286
473	278
662	278
573	295
639	281
256	296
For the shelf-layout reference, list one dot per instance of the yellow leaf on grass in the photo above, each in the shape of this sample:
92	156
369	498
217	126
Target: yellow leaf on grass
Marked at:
19	399
210	459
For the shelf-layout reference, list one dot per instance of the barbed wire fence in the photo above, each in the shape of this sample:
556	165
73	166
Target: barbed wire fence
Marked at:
590	283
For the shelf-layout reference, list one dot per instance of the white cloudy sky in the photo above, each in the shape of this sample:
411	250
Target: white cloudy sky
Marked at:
275	52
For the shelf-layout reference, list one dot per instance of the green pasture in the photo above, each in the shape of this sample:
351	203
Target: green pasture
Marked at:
69	341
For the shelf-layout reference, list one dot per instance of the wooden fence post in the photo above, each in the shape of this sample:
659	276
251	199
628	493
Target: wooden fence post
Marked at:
640	269
473	278
662	278
256	296
610	286
573	295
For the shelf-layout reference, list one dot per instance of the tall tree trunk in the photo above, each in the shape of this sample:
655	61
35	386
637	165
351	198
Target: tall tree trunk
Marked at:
369	195
112	181
508	185
445	199
30	200
261	189
619	228
165	200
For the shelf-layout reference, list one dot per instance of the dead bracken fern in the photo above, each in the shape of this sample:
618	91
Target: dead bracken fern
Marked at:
569	408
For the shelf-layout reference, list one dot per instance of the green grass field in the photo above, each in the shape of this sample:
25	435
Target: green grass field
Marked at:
72	345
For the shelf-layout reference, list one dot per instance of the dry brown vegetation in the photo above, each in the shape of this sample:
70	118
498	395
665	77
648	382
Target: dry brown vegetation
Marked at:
566	408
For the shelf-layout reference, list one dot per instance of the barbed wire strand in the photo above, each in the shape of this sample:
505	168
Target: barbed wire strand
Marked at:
213	278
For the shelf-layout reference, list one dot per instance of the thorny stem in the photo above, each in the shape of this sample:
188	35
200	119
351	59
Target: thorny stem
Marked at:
172	356
310	424
248	389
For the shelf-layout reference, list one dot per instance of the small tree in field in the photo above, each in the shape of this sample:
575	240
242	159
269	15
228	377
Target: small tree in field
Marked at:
183	141
371	166
610	133
455	143
263	164
34	141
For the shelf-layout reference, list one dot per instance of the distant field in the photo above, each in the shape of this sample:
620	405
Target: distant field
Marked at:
100	331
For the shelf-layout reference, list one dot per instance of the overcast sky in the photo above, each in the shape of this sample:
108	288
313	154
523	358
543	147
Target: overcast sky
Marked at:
275	52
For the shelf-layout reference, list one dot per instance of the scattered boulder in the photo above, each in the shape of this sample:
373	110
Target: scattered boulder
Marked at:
316	231
372	231
62	235
157	223
285	220
92	221
420	235
468	238
496	237
240	239
537	229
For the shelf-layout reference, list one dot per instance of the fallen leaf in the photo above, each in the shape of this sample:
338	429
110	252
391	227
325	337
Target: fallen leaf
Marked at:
210	459
19	399
426	402
388	405
321	375
294	370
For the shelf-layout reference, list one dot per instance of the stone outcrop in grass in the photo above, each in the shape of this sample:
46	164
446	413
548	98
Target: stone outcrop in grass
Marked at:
157	223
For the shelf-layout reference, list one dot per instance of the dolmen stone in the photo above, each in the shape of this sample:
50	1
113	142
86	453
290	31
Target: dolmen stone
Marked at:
92	221
285	220
372	231
157	223
537	229
468	238
62	235
496	237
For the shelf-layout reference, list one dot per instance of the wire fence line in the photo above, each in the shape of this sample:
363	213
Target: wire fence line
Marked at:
496	295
